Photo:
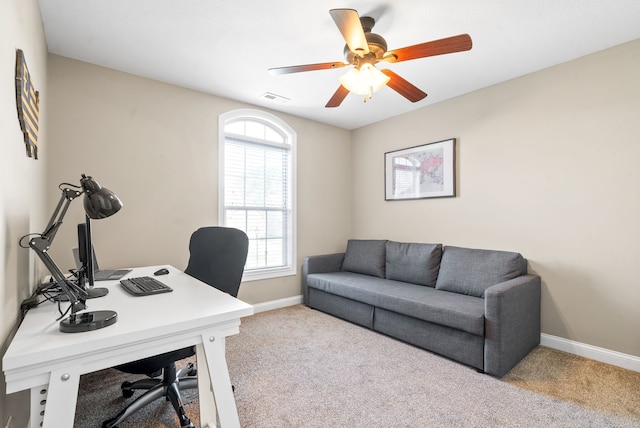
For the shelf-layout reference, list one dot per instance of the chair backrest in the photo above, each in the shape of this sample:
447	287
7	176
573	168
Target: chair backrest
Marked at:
217	256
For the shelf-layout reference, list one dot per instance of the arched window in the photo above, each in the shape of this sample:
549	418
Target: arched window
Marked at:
257	188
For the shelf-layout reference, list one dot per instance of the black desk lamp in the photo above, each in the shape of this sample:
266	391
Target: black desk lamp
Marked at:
98	203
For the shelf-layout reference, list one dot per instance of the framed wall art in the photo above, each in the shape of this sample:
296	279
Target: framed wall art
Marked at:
426	171
28	103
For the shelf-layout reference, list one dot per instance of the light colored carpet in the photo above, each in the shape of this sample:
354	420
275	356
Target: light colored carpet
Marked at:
297	367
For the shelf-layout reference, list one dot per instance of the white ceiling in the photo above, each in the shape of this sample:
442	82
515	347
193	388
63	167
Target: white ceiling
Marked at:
225	47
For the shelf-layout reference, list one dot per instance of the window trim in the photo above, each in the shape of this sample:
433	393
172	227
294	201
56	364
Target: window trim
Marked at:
291	142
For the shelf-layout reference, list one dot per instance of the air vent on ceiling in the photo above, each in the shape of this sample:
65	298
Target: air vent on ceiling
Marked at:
273	97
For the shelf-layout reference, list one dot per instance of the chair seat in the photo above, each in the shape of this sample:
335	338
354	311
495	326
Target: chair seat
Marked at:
155	364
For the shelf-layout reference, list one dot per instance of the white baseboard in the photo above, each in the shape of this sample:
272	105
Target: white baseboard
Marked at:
615	358
277	304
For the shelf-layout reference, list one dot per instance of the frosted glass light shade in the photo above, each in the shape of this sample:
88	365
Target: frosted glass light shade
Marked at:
364	81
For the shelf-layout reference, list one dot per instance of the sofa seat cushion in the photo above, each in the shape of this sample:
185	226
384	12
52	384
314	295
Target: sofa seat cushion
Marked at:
453	310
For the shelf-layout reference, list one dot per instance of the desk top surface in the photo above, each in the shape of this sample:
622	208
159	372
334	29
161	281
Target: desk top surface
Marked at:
192	305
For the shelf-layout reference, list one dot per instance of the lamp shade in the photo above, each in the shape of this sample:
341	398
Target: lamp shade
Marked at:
99	202
364	80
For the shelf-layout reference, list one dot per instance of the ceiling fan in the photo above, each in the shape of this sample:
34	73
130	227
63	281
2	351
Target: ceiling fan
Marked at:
365	49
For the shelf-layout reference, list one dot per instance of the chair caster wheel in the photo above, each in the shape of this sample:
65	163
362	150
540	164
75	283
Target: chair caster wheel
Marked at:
192	371
186	423
127	392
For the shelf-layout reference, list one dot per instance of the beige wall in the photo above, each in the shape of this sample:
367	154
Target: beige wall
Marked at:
155	146
21	195
547	166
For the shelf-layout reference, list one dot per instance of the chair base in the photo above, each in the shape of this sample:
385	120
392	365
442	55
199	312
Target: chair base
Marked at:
169	387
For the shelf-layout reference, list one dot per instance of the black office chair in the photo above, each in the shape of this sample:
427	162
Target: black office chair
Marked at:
217	256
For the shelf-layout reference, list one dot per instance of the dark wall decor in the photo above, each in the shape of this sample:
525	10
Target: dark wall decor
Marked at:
426	171
28	102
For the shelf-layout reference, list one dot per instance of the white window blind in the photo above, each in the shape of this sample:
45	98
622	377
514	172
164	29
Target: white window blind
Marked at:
257	192
256	199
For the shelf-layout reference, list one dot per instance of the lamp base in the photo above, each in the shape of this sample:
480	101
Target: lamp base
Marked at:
88	321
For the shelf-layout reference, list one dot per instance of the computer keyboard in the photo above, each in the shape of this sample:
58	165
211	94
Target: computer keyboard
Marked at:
144	286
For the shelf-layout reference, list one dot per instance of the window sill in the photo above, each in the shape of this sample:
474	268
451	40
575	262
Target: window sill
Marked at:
267	274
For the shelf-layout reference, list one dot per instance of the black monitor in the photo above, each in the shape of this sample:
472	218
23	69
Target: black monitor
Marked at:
85	273
85	254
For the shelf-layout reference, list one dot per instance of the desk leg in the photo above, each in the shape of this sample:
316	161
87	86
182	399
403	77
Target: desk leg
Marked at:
38	404
205	392
214	350
60	396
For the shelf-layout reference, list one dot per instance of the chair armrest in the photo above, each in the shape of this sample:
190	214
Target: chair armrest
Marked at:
512	322
319	264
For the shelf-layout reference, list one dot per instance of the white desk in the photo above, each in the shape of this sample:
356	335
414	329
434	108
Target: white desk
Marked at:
50	363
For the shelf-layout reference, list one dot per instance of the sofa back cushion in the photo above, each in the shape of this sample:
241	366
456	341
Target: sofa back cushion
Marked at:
365	256
412	262
470	271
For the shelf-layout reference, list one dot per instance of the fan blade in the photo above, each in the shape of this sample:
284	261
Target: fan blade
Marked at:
403	87
338	97
453	44
348	23
306	67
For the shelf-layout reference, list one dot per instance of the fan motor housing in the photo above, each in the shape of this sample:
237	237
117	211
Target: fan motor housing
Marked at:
377	47
377	43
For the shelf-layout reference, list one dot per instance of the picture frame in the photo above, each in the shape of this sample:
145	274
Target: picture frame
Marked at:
420	172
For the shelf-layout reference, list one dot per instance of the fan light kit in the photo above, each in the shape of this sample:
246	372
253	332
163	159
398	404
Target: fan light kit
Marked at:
364	80
365	49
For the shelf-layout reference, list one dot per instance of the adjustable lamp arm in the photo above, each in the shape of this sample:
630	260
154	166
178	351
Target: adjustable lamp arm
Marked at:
77	295
55	221
42	243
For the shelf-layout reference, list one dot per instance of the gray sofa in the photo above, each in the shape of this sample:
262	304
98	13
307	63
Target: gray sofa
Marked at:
478	307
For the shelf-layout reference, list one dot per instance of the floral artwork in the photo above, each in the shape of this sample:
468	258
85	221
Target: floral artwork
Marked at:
425	171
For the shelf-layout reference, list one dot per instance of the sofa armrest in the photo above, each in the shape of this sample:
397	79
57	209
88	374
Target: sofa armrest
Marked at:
319	264
512	322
